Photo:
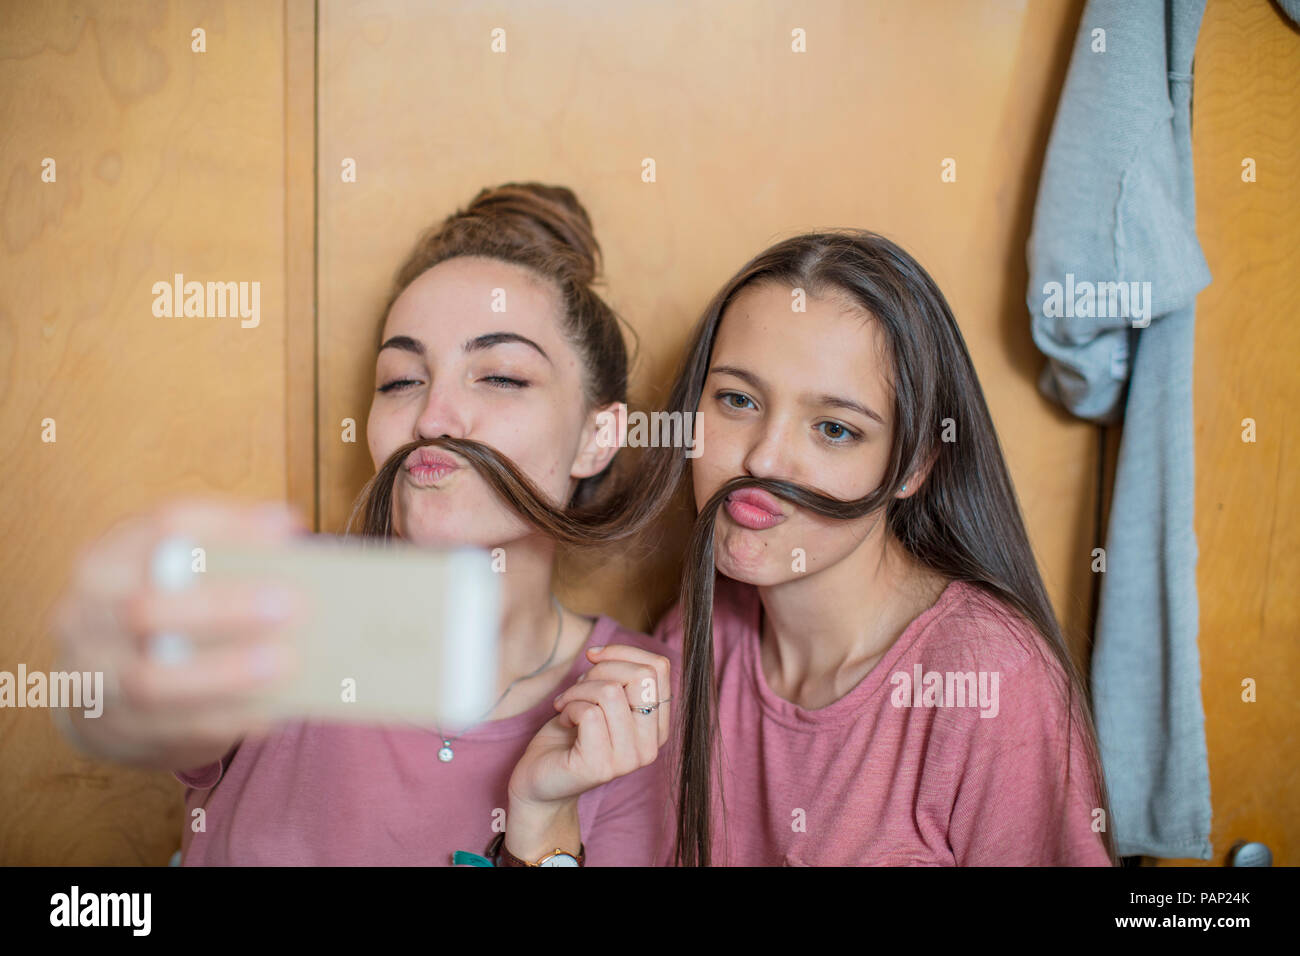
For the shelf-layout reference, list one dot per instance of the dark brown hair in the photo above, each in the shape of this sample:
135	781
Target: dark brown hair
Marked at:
963	522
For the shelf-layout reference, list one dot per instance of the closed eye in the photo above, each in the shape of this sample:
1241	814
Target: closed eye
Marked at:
501	381
497	381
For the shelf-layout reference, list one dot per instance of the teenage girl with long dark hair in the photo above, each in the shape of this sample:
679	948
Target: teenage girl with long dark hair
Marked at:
872	671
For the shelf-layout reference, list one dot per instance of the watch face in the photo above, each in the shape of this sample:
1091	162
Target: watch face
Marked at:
559	859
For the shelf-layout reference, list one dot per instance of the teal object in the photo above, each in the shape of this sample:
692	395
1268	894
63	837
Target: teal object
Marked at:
463	858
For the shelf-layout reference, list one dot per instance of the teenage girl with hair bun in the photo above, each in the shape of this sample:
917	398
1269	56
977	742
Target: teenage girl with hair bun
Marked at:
483	431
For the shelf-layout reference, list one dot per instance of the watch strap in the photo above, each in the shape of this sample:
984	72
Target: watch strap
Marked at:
497	852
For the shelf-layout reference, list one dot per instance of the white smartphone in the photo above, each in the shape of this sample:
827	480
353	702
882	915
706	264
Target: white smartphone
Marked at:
394	633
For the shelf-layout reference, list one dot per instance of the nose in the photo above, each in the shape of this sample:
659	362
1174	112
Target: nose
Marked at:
769	454
443	414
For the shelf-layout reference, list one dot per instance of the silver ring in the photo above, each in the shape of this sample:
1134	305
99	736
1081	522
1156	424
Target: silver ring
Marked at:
652	708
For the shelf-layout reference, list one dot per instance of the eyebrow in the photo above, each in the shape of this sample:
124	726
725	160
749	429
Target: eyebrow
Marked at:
834	401
407	344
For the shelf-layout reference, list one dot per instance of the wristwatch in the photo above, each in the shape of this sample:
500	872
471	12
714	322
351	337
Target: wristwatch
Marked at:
500	856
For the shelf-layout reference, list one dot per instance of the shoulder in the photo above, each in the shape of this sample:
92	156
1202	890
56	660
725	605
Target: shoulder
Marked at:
997	684
975	629
981	642
609	631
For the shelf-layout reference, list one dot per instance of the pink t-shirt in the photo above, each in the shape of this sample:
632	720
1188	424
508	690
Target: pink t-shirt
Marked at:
869	781
323	794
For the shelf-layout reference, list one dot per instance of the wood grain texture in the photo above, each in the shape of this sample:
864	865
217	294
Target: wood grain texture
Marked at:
167	161
300	256
1247	104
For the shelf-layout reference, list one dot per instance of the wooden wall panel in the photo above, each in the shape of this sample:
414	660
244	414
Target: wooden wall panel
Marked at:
168	161
1246	104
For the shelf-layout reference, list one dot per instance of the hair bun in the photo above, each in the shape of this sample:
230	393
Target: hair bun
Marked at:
536	214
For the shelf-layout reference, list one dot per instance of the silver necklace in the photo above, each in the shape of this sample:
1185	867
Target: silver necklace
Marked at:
445	753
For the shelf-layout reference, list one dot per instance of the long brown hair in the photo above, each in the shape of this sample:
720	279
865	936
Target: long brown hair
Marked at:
964	522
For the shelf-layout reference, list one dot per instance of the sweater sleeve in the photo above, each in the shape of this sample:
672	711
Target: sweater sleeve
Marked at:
1011	805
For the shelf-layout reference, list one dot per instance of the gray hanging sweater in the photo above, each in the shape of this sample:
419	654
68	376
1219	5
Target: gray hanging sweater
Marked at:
1114	270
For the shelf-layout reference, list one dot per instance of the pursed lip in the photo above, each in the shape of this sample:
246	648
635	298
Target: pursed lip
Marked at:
754	508
430	464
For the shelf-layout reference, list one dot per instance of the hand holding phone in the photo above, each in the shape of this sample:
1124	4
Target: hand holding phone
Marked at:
183	700
198	649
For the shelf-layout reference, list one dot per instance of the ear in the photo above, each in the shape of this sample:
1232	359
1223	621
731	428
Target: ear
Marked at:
603	433
918	477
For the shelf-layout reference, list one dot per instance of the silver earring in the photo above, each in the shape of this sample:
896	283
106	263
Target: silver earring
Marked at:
904	488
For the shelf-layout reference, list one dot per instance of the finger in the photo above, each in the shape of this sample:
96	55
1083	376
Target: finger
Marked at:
120	562
632	745
663	676
570	715
634	733
626	676
643	683
641	679
209	614
215	677
230	520
594	746
625	652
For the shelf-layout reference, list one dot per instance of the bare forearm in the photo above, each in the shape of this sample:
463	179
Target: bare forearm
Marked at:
534	831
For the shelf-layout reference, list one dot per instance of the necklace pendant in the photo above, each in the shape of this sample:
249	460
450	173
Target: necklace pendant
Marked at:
446	753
